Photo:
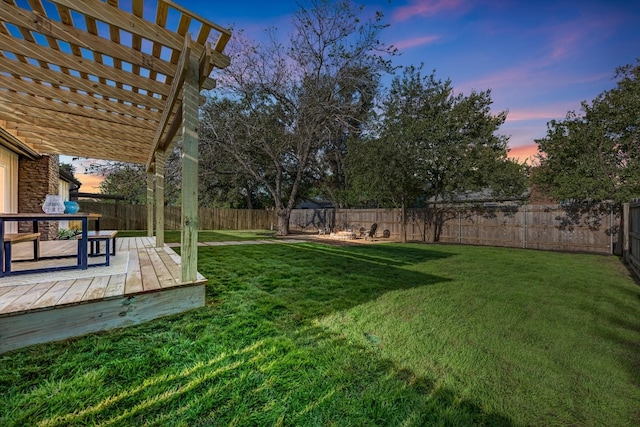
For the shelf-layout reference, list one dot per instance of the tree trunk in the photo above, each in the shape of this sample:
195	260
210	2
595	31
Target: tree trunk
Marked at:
247	197
437	224
283	221
404	222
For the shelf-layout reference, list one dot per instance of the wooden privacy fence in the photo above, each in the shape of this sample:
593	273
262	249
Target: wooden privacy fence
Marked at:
632	234
549	227
122	216
310	220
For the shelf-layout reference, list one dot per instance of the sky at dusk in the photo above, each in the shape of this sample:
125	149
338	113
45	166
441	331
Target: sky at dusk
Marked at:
539	58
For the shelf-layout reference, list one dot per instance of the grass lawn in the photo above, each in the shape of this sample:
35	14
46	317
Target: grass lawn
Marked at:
308	334
173	236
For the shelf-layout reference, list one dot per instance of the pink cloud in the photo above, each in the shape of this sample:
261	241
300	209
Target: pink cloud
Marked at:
524	153
548	112
529	75
416	41
425	8
578	35
503	78
564	45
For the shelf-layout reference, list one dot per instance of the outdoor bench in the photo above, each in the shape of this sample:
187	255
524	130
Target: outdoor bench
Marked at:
106	236
11	238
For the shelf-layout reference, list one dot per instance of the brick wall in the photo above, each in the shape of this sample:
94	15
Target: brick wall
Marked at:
36	179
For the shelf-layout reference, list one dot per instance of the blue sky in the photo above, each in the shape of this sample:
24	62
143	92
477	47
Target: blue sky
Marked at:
540	58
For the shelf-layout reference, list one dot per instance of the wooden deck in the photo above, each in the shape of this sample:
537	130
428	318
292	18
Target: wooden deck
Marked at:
142	283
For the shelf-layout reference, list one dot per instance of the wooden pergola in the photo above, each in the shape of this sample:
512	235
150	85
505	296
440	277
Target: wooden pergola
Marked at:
105	80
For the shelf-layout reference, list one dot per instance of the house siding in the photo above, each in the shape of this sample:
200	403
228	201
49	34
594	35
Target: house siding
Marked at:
36	179
9	185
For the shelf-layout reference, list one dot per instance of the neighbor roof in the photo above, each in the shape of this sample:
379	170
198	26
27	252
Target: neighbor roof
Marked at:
100	79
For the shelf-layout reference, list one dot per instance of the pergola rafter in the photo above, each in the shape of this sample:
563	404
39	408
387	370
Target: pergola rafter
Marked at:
95	79
57	58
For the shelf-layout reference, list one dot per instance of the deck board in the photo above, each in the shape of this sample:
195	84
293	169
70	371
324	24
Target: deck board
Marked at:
13	294
133	282
76	292
148	269
30	297
150	281
165	279
53	295
97	288
174	269
116	286
60	307
4	290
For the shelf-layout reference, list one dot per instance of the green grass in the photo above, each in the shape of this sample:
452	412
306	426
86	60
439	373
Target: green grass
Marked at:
307	334
173	236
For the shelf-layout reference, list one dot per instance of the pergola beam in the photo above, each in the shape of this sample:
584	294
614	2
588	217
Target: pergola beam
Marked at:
172	98
135	147
63	120
79	84
67	96
26	104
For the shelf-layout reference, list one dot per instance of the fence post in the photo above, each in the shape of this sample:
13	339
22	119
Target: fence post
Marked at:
524	226
625	232
459	225
611	229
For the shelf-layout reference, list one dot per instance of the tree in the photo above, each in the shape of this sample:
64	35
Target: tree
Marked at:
130	179
68	168
287	109
123	179
432	146
594	157
223	183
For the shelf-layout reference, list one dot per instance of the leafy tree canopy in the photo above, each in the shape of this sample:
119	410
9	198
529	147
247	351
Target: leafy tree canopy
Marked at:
433	145
595	156
287	110
123	179
130	180
68	168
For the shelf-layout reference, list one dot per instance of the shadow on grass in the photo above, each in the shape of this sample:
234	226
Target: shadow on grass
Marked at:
307	280
210	375
623	329
253	356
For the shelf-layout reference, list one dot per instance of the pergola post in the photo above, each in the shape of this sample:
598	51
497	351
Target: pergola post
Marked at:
189	236
149	203
161	158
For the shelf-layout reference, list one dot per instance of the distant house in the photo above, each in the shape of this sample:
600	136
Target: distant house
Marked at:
485	197
68	185
314	204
